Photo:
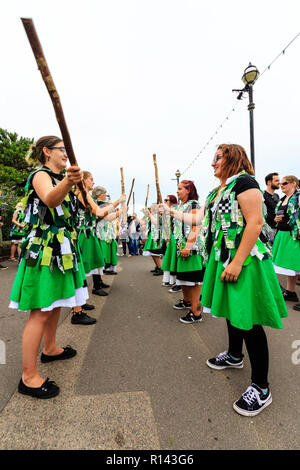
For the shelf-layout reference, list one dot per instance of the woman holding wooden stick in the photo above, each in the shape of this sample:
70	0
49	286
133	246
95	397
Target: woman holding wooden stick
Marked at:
51	273
189	265
92	254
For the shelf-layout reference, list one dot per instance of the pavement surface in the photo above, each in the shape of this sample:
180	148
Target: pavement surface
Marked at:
140	379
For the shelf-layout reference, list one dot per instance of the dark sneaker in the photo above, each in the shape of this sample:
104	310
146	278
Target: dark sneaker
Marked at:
182	304
225	361
288	295
154	270
67	353
88	307
296	307
253	401
110	273
175	289
158	273
100	292
190	318
48	389
3	268
165	284
81	318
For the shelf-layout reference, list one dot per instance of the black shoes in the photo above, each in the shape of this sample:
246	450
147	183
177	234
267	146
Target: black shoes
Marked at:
253	401
110	273
3	268
225	361
100	292
48	389
81	318
159	272
104	286
182	304
67	353
297	307
154	270
288	295
190	318
175	288
88	307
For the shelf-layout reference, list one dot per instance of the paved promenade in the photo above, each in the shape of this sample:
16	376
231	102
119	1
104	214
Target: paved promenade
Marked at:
140	381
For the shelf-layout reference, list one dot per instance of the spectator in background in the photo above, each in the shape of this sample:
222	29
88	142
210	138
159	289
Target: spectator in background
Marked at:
18	231
2	268
134	234
286	248
271	199
124	237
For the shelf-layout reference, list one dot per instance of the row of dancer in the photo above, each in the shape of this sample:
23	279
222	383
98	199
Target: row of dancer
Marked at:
60	250
221	251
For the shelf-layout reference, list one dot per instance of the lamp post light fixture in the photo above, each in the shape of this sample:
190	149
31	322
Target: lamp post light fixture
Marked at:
249	77
177	174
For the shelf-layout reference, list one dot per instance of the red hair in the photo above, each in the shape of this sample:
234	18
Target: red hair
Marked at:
173	199
189	185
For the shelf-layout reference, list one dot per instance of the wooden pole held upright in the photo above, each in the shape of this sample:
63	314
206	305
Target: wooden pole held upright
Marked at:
146	202
159	197
51	88
132	184
122	181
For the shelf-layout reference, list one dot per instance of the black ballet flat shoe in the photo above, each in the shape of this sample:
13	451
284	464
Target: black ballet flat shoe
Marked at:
48	389
67	353
88	307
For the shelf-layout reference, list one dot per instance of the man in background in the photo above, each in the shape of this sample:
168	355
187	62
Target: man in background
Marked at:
271	199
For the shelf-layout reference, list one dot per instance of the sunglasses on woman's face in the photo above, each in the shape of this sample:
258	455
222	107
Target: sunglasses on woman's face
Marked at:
166	200
217	158
284	184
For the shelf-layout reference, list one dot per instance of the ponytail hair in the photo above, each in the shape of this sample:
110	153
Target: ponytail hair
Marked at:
189	185
35	154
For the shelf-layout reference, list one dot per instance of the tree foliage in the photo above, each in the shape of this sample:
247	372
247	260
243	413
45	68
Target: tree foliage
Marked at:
14	172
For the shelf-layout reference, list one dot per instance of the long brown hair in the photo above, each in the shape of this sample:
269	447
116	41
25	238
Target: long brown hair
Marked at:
235	160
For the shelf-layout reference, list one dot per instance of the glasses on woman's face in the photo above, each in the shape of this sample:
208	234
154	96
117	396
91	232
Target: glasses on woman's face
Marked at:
284	183
167	200
217	158
62	149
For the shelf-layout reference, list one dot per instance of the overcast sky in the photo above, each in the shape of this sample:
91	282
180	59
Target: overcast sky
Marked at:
138	77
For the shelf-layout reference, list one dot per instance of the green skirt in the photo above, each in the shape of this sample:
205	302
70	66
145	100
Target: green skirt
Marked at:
92	255
286	251
255	299
110	252
170	258
153	246
38	288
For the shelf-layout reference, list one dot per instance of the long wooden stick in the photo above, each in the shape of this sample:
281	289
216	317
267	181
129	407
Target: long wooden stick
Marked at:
159	197
51	88
122	181
146	202
129	197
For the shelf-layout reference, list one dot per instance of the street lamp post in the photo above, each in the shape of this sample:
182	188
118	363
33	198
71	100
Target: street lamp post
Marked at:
249	78
177	174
